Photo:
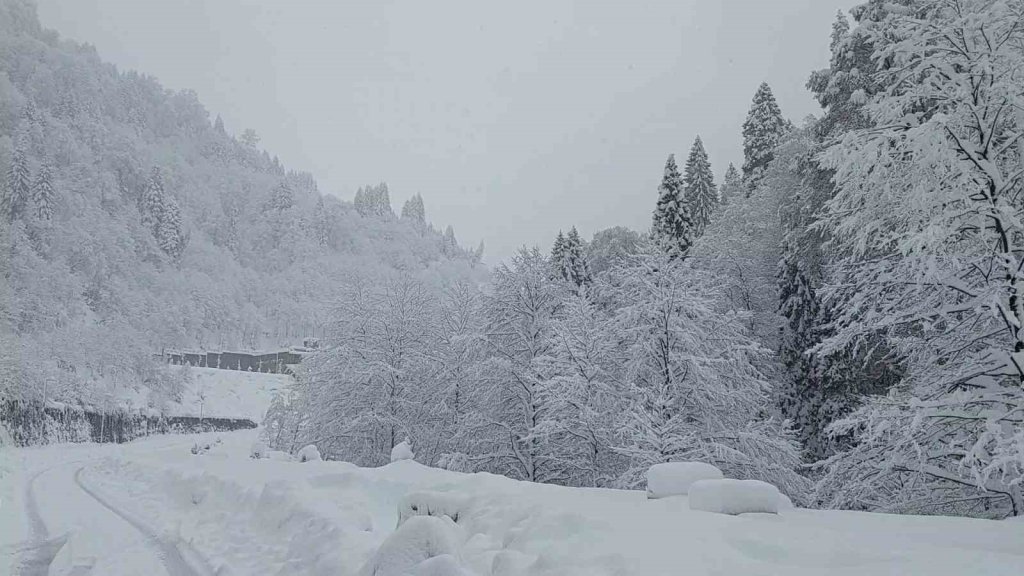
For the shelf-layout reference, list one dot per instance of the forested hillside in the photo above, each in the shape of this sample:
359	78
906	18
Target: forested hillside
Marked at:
851	297
132	222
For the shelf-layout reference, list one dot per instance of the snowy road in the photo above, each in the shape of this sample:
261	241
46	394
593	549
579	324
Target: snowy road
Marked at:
74	529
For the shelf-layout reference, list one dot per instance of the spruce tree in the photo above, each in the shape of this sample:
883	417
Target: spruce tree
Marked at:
414	211
42	192
732	186
558	254
19	181
673	225
152	202
574	265
801	395
169	234
282	198
762	131
699	184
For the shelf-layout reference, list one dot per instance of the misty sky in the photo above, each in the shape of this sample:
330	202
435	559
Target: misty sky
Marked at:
512	119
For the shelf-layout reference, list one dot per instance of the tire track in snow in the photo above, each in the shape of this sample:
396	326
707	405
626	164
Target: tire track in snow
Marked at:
170	554
36	557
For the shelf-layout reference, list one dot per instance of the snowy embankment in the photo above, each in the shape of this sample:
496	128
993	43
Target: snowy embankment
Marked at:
248	516
215	393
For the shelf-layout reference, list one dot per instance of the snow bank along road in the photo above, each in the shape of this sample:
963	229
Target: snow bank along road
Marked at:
152	507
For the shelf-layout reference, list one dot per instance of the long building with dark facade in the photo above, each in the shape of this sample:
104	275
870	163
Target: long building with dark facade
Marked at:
269	362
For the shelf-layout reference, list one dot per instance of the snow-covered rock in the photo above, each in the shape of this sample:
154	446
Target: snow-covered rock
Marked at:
675	478
729	496
402	451
414	543
309	453
431	504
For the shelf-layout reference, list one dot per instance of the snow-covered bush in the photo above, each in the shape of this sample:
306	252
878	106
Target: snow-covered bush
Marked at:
309	453
402	451
730	496
258	451
675	478
413	544
279	456
431	504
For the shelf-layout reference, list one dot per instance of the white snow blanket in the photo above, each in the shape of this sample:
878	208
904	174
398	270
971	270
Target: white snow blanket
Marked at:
675	478
729	496
265	517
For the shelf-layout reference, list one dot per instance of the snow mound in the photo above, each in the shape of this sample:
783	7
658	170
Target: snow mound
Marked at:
402	451
675	478
443	565
728	496
413	544
309	453
431	504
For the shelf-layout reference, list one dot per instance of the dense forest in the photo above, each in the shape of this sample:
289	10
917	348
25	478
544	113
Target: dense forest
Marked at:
841	316
133	223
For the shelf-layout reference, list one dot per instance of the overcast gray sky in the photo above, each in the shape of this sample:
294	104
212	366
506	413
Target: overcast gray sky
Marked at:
512	119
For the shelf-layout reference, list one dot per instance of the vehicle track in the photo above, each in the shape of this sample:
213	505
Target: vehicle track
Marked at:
170	554
177	558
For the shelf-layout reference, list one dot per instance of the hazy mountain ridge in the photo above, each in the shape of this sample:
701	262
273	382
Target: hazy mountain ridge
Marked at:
159	229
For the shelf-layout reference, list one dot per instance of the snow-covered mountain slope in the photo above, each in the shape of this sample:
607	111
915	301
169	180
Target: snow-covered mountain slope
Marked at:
248	516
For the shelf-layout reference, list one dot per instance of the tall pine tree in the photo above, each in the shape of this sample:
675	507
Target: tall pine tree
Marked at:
558	251
673	224
574	267
42	192
699	184
762	131
19	181
732	186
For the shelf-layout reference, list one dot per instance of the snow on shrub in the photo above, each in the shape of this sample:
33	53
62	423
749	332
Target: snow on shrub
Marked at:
431	504
258	451
675	478
414	543
309	453
728	496
402	451
279	456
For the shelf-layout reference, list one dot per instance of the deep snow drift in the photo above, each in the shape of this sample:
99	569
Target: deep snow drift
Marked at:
262	516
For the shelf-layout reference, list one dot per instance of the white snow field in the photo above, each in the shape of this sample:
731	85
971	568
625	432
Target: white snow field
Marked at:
216	393
151	507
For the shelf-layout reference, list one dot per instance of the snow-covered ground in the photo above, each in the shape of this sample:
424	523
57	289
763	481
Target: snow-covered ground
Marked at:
152	507
216	393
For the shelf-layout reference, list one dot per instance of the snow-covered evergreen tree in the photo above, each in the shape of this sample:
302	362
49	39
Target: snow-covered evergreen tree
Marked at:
414	212
18	182
732	186
574	262
43	195
927	221
762	131
169	235
151	202
282	198
699	187
558	253
673	223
